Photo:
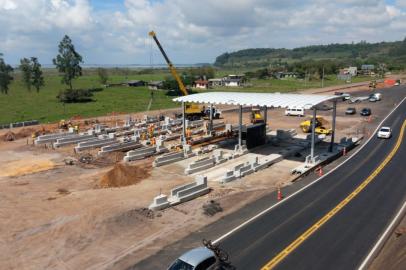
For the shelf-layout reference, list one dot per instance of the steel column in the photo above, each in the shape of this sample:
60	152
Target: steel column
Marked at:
333	128
313	133
240	127
211	119
265	115
183	123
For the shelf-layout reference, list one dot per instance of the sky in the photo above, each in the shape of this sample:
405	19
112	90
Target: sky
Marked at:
108	32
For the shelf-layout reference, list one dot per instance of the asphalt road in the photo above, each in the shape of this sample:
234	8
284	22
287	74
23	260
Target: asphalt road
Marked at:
260	243
347	237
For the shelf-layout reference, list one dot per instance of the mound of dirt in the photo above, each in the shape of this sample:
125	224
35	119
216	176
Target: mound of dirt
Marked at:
9	136
123	175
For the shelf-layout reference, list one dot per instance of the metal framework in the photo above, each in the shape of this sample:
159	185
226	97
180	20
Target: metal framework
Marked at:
264	100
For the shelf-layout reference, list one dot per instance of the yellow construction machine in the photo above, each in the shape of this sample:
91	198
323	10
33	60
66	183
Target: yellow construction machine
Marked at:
256	116
193	111
320	127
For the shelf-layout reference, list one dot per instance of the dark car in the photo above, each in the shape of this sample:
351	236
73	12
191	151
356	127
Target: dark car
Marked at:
351	111
365	112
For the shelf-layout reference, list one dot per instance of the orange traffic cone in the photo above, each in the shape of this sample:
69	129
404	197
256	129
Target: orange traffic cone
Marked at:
280	196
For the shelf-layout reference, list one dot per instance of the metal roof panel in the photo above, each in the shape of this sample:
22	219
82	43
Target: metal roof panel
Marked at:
271	100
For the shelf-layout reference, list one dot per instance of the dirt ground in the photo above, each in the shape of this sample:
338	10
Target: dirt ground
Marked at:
58	216
393	254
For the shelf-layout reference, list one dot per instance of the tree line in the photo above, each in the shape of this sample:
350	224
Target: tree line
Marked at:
391	53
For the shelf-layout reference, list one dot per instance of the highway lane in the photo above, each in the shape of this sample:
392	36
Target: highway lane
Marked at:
345	239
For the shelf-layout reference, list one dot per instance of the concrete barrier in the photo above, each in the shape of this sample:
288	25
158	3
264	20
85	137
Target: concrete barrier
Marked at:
168	158
268	161
181	194
73	140
200	165
121	146
189	191
94	144
140	153
53	137
160	202
228	177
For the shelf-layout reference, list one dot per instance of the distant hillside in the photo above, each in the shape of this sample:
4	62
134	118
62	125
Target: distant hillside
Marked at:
393	54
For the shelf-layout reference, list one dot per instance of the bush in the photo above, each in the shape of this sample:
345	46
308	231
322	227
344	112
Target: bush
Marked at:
75	95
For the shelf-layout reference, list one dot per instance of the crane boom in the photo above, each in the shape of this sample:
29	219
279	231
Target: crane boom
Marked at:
170	65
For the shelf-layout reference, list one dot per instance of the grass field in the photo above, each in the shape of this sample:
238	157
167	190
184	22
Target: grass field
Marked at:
20	105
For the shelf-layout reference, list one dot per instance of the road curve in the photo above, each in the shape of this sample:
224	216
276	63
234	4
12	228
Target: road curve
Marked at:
345	239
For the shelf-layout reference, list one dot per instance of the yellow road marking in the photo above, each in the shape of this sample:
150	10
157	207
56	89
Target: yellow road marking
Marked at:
284	253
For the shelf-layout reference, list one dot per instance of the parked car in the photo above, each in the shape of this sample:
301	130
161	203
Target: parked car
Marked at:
351	110
372	99
200	258
384	132
344	96
366	112
375	97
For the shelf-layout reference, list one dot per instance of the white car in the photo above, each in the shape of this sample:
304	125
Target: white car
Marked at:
384	132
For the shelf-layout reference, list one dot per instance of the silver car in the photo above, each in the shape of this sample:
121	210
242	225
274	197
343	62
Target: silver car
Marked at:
200	258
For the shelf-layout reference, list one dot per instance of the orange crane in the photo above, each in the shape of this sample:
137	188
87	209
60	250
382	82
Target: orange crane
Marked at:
193	111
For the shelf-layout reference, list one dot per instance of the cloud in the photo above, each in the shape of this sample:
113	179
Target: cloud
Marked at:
190	31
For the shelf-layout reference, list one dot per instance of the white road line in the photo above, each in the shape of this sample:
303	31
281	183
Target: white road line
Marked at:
371	255
309	185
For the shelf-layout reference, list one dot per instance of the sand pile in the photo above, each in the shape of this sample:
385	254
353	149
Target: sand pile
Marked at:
124	175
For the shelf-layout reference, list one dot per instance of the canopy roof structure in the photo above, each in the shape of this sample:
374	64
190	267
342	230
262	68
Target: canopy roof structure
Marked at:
270	100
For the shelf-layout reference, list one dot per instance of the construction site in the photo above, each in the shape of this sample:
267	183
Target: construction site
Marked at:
113	187
108	192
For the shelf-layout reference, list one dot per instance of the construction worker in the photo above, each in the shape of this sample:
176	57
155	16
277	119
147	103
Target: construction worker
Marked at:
188	133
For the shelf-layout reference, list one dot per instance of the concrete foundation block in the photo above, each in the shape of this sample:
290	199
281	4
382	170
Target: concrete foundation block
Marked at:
168	158
200	165
160	202
140	153
228	177
189	191
246	170
94	144
123	146
52	137
73	140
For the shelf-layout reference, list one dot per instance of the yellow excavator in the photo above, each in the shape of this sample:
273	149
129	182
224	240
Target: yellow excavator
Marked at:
321	124
193	111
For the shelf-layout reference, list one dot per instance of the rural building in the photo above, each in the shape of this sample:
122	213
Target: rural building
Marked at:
202	84
216	82
155	85
135	83
368	69
233	80
353	71
284	75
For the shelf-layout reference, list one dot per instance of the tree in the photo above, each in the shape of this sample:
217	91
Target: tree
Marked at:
103	75
26	70
31	73
5	75
68	61
37	77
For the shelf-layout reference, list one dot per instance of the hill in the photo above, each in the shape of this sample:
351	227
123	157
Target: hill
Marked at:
393	54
